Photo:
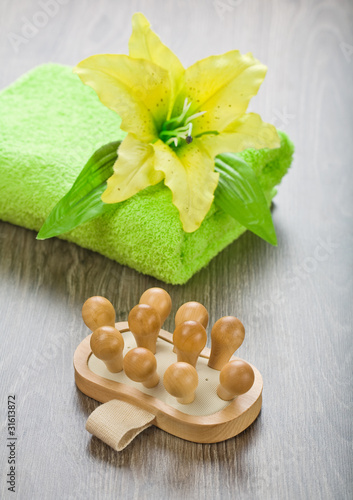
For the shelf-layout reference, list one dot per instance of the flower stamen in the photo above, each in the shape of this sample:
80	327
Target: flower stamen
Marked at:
180	127
195	115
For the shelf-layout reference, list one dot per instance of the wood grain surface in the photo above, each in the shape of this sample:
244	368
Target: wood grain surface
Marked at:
295	300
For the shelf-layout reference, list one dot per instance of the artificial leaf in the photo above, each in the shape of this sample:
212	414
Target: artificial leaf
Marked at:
240	195
83	202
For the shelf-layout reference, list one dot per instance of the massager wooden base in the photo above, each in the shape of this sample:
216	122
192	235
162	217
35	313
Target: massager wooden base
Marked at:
224	424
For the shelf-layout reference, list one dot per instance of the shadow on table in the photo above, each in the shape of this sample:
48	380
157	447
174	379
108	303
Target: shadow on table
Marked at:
165	461
64	268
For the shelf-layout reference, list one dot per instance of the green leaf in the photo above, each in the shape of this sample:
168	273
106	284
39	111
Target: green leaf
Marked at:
240	195
83	202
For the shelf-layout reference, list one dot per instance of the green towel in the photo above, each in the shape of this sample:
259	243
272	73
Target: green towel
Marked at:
50	124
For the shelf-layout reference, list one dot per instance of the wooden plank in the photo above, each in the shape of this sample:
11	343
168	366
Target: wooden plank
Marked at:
295	300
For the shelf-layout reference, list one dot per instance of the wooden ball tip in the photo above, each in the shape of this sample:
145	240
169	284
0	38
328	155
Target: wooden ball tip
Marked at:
144	318
190	336
229	325
227	335
237	377
192	311
140	364
180	379
98	311
106	342
159	299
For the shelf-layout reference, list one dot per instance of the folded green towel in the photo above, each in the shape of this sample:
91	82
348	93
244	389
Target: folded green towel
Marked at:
50	124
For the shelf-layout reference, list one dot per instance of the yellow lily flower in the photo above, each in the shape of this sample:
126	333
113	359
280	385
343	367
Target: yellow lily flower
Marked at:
177	120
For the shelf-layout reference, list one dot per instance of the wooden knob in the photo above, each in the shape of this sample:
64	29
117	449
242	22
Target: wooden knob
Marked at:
192	311
189	339
236	378
145	324
159	299
226	337
141	366
107	344
181	381
98	311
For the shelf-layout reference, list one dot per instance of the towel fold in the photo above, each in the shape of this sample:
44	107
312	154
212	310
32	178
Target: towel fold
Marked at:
50	124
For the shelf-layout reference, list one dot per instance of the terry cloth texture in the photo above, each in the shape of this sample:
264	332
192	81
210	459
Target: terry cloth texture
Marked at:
50	124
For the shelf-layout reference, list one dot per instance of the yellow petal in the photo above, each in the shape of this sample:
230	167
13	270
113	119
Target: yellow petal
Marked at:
133	171
145	44
189	174
138	90
222	86
249	131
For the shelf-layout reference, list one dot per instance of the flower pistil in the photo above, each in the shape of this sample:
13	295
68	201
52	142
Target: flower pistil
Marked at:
180	127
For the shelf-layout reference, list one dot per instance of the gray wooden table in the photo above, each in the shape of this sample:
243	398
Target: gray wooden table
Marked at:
295	301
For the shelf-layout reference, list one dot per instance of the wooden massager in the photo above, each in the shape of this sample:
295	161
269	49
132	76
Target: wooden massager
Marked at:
198	394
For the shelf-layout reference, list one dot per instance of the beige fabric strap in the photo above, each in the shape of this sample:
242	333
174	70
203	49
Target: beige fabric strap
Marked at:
117	423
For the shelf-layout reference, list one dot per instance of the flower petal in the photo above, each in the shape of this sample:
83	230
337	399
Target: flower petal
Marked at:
145	44
133	171
222	86
138	90
189	174
249	131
